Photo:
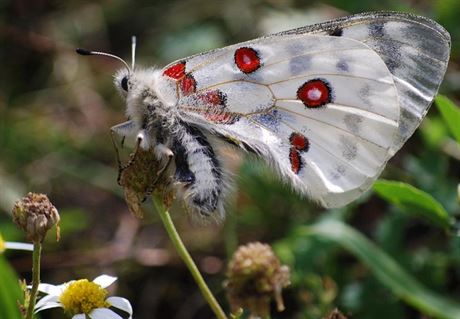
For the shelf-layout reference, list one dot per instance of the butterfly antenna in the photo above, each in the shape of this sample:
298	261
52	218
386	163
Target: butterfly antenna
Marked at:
88	52
133	51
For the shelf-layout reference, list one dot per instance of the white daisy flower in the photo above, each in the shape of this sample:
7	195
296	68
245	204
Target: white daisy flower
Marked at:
14	245
83	299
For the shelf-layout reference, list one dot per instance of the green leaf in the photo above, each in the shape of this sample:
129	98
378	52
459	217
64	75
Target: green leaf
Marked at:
385	269
451	115
413	200
434	132
10	292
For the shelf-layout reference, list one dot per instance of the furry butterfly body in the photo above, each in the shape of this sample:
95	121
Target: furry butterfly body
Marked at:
325	105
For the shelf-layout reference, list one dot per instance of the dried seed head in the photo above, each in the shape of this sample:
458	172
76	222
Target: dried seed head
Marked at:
35	215
140	177
335	314
255	276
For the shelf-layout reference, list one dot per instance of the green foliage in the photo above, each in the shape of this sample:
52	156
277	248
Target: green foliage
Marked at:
387	270
450	114
10	292
413	200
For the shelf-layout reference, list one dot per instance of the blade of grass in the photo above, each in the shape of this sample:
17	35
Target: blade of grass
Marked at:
413	201
450	114
385	269
10	293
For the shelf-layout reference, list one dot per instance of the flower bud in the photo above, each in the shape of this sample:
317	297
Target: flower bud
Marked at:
35	215
255	276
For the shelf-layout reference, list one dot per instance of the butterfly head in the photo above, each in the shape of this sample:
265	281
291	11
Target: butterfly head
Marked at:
138	88
136	85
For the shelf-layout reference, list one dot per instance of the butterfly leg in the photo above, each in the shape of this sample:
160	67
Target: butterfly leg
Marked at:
121	129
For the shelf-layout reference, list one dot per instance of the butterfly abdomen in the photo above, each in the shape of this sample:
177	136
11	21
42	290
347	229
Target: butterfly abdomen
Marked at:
199	169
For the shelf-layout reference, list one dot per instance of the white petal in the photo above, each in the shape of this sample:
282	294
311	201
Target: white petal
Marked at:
43	301
49	305
18	246
120	303
79	316
50	289
104	280
103	313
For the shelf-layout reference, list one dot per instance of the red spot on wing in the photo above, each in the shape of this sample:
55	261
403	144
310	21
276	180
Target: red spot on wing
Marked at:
295	159
176	71
215	108
188	85
221	118
247	59
315	93
299	142
215	97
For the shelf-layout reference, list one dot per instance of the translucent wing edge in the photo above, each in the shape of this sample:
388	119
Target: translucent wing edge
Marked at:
368	16
342	21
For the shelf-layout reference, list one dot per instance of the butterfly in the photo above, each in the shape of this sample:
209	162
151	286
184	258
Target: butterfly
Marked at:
326	105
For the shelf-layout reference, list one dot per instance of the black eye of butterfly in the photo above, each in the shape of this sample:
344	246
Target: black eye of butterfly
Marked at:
124	83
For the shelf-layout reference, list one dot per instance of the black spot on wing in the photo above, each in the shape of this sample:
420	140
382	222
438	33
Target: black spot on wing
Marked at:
299	64
385	46
337	32
376	30
353	122
364	94
269	119
349	148
390	52
342	65
338	172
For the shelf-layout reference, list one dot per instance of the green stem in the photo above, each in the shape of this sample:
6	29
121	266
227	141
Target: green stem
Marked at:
184	254
35	279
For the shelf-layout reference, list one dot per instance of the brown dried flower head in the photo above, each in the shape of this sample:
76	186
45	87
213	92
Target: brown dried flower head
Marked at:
140	177
35	215
255	276
335	314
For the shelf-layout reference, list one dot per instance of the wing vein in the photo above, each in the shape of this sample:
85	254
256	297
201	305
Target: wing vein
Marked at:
342	160
329	124
351	108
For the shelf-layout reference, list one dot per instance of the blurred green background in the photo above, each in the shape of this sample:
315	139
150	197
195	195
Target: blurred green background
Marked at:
56	109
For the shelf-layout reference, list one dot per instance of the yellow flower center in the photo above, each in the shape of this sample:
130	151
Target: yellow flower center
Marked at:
82	296
2	244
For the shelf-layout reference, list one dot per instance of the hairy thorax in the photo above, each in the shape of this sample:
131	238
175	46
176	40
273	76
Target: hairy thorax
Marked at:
152	115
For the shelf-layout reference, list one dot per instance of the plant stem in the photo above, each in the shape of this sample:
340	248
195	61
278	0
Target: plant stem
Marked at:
35	279
184	254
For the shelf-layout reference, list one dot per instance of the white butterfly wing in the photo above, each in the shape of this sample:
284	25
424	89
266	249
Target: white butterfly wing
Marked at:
415	49
327	111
